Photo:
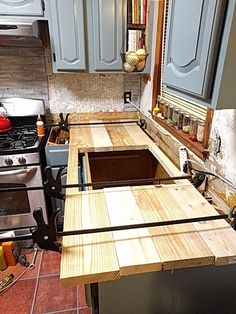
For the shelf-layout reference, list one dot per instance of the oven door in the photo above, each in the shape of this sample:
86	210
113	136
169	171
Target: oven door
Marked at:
16	207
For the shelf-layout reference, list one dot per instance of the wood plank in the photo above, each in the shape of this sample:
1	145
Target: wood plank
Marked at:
120	138
72	170
179	245
136	133
135	249
101	139
92	257
218	234
81	137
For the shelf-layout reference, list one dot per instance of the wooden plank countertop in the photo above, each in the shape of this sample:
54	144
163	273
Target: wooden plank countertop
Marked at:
111	255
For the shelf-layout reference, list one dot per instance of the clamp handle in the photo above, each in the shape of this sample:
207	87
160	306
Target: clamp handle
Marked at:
45	235
63	123
53	187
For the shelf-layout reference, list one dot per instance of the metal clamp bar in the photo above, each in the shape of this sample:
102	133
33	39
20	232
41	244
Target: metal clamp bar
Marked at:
143	225
96	123
103	183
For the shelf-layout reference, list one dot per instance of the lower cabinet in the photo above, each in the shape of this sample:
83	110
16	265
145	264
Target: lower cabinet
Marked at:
57	156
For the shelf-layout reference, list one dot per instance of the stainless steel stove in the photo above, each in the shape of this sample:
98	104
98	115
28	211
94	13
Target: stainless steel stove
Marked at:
20	163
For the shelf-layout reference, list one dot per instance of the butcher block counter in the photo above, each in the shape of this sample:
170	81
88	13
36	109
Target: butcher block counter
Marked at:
139	250
108	256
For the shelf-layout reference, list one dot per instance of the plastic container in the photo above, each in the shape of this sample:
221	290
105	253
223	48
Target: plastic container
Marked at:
40	126
200	130
193	129
186	123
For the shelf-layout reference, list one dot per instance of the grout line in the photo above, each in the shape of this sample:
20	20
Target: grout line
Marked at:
77	297
60	311
36	285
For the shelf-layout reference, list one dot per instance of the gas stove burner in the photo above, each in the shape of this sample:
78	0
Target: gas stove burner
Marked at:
19	138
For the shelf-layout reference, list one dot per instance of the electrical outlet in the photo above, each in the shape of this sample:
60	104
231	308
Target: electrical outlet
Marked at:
127	97
182	158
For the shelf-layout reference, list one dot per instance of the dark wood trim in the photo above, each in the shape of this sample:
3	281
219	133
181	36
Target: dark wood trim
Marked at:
207	128
158	53
195	147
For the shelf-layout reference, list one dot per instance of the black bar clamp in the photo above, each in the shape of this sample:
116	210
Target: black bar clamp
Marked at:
63	123
53	187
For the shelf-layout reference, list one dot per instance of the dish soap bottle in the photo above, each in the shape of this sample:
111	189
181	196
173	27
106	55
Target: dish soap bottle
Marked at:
40	126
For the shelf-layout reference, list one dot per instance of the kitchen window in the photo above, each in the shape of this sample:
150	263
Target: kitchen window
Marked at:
165	99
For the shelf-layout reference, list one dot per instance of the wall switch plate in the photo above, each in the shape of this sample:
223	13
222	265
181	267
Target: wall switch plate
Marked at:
183	156
127	97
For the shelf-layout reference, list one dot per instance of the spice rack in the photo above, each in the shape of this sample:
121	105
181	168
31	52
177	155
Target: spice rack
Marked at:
185	127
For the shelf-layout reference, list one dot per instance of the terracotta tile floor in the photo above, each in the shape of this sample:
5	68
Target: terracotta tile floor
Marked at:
39	291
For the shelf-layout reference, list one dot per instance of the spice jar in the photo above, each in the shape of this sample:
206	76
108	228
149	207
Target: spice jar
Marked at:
180	120
161	106
170	114
193	129
175	118
165	110
186	123
200	130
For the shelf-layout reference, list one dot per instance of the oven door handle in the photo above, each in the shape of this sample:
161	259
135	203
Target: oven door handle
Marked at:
16	172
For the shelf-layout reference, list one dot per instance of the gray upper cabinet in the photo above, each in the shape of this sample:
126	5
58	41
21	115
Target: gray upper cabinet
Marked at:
193	27
21	7
86	35
67	34
106	34
200	51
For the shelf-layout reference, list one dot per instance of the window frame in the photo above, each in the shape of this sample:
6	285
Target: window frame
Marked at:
200	149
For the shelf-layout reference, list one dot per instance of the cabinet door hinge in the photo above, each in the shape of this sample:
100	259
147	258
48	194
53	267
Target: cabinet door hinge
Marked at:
43	5
54	57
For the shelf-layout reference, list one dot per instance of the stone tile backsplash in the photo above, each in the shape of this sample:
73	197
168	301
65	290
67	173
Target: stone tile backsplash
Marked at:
25	73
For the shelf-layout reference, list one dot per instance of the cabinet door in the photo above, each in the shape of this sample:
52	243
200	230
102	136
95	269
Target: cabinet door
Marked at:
192	44
21	7
107	34
67	18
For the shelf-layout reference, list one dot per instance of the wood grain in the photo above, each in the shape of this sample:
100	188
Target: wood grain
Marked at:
179	245
91	257
218	234
108	256
135	249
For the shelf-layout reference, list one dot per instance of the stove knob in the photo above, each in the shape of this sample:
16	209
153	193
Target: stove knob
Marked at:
21	160
8	161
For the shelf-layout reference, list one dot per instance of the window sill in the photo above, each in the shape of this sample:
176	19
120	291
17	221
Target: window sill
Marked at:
195	147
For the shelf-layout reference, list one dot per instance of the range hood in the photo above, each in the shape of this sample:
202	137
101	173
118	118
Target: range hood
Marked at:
19	33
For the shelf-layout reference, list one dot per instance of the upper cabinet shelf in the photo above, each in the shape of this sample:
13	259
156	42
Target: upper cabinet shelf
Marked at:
200	52
21	7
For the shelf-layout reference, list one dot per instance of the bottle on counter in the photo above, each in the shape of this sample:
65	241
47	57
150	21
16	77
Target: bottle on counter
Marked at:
3	264
40	126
